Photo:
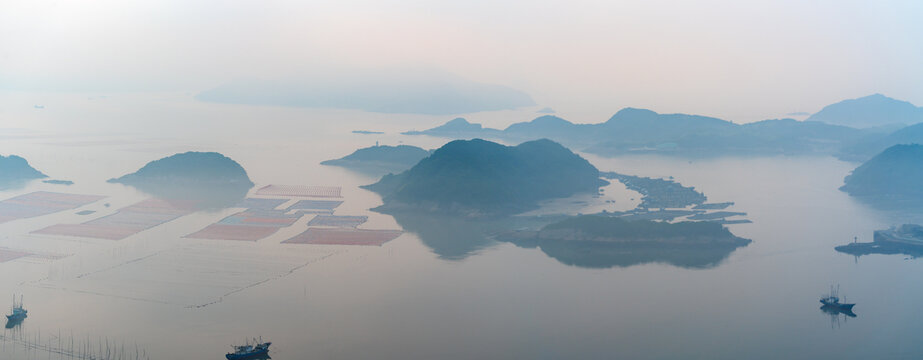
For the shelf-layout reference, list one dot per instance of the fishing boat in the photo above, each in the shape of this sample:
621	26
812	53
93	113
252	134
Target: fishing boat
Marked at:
832	301
248	351
19	313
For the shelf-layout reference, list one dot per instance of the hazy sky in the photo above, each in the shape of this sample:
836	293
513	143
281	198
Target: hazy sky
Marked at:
739	60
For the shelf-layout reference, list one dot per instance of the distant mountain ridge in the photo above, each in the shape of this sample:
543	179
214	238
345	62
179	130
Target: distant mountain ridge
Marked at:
873	144
832	131
634	130
457	127
381	158
412	91
870	111
540	126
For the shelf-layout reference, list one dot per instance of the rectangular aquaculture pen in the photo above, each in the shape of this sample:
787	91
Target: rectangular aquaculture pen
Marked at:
344	237
42	203
300	191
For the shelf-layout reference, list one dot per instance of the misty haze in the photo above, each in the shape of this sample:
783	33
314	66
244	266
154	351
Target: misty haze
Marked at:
406	179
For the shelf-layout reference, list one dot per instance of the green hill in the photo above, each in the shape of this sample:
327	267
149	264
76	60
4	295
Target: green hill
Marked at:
477	177
895	173
382	157
190	167
457	128
15	169
208	178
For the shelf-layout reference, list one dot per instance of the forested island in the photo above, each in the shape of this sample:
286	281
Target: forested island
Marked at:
659	193
457	128
15	169
477	178
190	167
473	186
381	158
209	178
895	175
58	182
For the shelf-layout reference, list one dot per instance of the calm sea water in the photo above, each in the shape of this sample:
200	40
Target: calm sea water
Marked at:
435	292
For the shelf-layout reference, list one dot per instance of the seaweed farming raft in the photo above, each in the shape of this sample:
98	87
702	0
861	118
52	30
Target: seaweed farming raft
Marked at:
126	222
321	236
41	203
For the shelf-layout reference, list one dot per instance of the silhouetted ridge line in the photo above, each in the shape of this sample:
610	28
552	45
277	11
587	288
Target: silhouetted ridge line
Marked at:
634	131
